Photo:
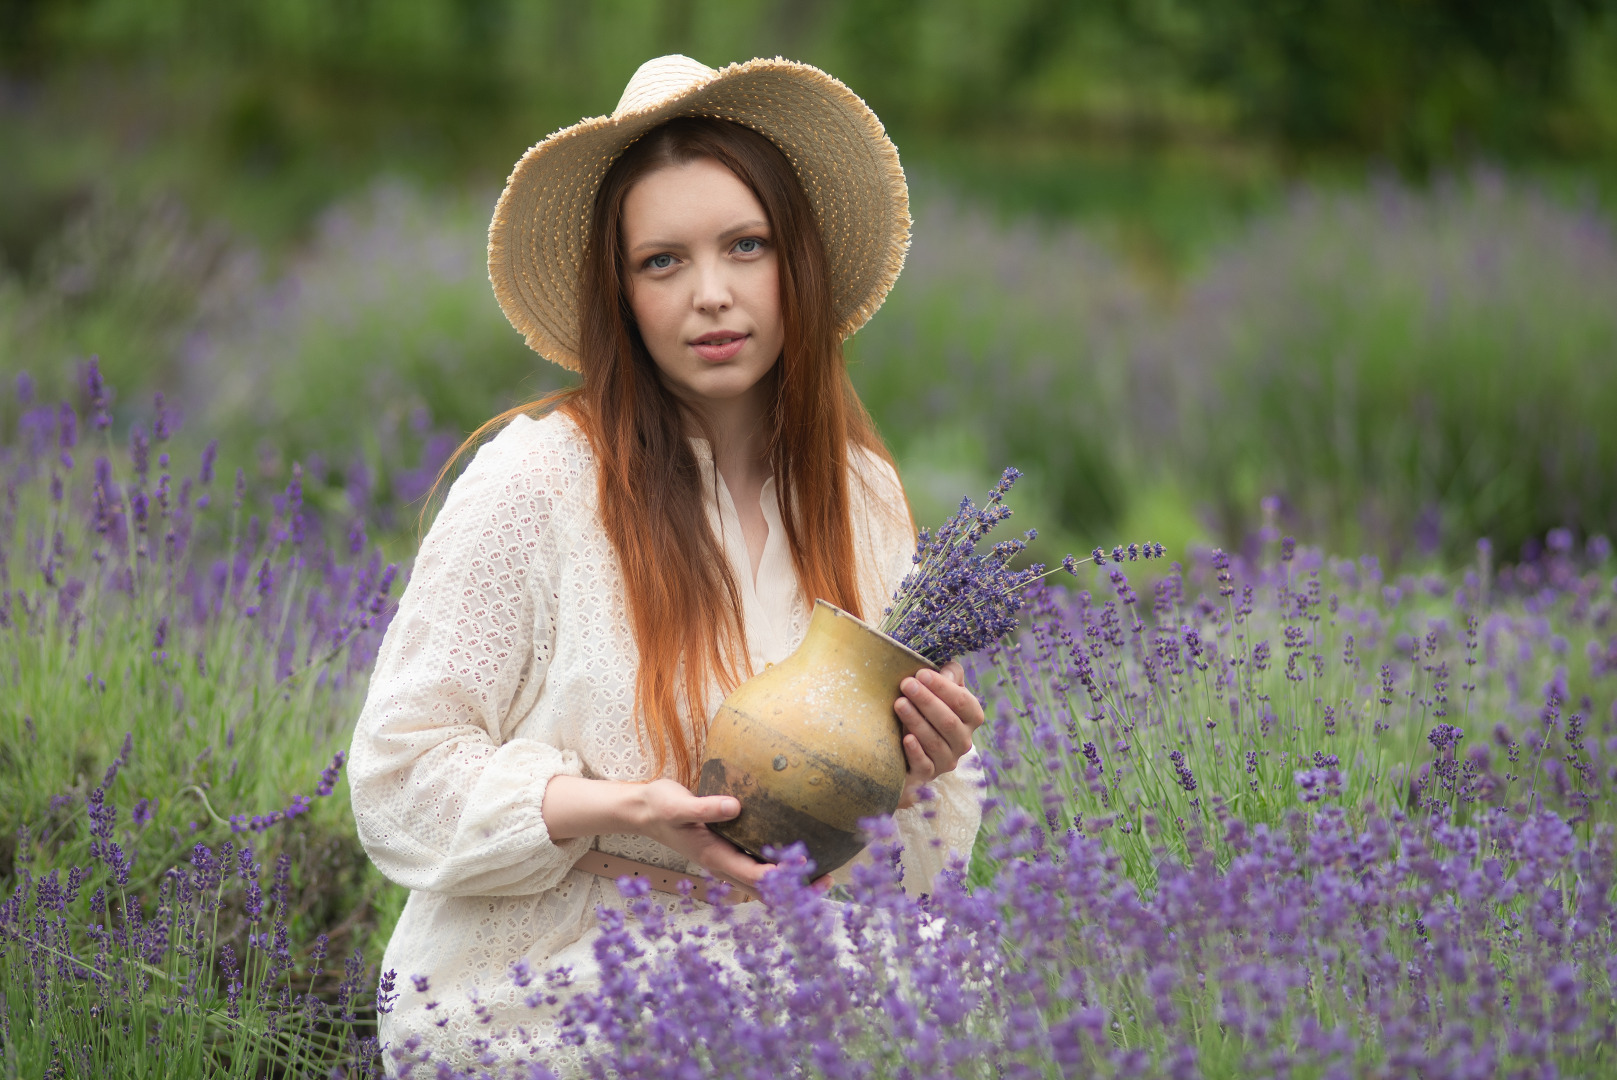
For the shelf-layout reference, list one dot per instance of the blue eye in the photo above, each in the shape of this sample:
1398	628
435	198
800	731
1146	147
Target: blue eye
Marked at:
748	245
660	262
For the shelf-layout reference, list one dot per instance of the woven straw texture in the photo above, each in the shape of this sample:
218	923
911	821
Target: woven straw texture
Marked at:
847	165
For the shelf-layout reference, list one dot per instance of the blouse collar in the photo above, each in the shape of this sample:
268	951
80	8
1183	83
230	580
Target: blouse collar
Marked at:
769	601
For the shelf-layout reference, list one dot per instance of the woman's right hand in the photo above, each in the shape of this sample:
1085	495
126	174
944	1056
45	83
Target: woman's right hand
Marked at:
672	816
664	811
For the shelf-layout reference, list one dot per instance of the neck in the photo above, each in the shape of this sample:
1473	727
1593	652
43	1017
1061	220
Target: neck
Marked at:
739	431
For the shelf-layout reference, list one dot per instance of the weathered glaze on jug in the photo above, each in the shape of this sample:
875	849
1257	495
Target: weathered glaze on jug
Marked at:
811	745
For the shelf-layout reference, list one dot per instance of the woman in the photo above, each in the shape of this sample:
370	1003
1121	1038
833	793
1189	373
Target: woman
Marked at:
599	578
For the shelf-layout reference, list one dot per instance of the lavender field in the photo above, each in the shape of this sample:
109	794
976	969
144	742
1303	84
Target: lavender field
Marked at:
1325	307
1406	369
1261	814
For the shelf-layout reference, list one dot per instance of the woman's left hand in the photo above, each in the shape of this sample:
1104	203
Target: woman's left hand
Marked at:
939	715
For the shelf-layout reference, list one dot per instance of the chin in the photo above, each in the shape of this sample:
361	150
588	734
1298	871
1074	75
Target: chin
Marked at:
721	388
724	383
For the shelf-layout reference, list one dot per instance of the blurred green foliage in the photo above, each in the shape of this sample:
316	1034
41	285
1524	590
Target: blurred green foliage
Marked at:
1406	79
1414	82
292	101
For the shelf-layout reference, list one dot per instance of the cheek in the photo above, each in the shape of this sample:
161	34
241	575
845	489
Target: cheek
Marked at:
763	300
655	312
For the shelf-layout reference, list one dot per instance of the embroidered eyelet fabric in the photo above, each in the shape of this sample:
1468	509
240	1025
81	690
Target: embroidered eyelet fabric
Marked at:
511	661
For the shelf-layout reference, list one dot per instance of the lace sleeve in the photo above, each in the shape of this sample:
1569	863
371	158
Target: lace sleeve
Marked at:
444	799
946	824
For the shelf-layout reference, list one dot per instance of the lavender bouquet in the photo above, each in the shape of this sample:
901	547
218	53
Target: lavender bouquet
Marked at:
957	601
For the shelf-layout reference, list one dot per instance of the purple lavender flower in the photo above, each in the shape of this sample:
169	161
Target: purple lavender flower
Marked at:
165	423
140	452
143	812
210	454
956	601
1221	566
379	599
1318	783
1181	768
67	431
386	991
297	806
1444	738
95	389
329	775
159	638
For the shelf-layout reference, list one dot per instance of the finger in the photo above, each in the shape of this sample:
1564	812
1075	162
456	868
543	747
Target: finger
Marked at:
716	808
733	865
919	763
959	701
951	690
932	741
940	713
692	810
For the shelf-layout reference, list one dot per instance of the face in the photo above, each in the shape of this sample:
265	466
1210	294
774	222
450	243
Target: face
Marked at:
703	280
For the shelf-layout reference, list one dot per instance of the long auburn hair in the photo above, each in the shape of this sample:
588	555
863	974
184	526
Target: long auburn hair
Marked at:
684	605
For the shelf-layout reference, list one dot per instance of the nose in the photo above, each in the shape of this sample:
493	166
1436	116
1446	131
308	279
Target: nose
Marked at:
713	294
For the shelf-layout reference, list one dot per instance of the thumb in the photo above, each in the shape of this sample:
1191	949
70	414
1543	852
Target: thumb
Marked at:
717	807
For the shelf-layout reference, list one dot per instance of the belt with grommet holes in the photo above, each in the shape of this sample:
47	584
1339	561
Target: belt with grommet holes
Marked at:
660	878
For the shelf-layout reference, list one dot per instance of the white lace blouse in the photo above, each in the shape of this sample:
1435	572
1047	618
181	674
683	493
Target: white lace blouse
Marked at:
510	661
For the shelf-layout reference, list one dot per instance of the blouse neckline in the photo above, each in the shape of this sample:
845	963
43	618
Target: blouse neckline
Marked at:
769	601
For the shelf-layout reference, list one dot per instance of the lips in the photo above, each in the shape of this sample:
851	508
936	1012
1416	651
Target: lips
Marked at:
719	345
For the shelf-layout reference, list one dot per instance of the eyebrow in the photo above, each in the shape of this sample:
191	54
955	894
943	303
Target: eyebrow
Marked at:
755	225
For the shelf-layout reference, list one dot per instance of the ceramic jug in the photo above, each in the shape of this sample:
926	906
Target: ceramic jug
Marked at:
811	745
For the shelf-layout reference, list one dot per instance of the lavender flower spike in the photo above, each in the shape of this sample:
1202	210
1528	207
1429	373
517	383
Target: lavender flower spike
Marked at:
957	601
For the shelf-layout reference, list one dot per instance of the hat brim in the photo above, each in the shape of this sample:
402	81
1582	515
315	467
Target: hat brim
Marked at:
847	166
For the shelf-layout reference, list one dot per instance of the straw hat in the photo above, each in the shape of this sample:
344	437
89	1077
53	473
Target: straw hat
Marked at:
846	163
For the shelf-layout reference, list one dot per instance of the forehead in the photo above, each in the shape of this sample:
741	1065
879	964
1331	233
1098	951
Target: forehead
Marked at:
687	201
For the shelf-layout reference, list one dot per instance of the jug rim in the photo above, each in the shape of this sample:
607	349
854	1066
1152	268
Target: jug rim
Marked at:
890	639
